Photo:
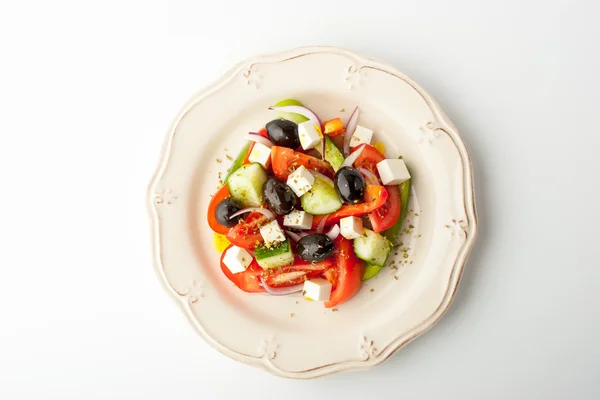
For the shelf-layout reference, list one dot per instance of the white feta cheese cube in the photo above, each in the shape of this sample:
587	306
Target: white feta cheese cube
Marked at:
298	219
237	259
351	227
393	172
300	181
317	289
260	154
310	134
360	136
272	233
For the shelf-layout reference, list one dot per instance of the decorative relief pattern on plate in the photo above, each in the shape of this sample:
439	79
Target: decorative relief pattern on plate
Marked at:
195	291
164	196
352	77
428	133
458	227
252	76
367	348
268	349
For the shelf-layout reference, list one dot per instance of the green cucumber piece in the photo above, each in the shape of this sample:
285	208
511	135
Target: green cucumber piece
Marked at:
370	271
372	248
297	118
321	199
392	233
239	160
333	155
274	256
246	183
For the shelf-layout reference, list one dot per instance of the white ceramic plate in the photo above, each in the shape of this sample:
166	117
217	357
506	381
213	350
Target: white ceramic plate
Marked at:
287	335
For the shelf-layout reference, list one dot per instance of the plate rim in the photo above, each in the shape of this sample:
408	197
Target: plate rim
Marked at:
442	123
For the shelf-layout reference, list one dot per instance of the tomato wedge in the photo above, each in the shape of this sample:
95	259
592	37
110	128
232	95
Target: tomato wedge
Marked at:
262	132
246	233
386	216
285	160
296	273
368	158
221	194
348	273
249	280
375	197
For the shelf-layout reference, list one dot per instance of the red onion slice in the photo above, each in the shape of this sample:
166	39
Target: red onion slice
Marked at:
349	161
255	137
334	232
293	235
322	224
281	291
350	128
305	112
261	210
370	178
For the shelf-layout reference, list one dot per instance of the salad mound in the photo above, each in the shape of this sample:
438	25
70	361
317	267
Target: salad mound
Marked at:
309	206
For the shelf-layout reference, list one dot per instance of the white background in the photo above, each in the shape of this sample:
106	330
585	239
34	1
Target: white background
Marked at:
88	90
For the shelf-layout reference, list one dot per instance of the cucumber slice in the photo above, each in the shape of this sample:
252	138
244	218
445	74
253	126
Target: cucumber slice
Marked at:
274	256
321	199
246	183
370	271
297	118
372	247
333	155
239	160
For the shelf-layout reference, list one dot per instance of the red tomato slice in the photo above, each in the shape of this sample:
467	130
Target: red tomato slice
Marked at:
262	132
246	233
368	158
295	273
221	194
375	197
348	274
284	161
386	216
249	280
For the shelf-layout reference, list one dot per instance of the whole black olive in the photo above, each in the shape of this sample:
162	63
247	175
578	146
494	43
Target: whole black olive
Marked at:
225	209
280	198
314	247
283	133
350	185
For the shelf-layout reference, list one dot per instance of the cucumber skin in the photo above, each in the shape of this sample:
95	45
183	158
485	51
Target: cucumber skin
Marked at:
371	270
244	201
333	155
371	236
263	253
307	198
239	160
297	118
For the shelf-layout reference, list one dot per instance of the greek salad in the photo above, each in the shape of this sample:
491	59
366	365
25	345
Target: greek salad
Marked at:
309	206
